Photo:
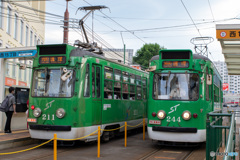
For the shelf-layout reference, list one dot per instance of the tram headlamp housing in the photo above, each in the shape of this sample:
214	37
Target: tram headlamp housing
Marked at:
37	112
60	113
186	115
161	114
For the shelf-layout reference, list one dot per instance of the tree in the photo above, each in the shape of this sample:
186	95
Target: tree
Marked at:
144	54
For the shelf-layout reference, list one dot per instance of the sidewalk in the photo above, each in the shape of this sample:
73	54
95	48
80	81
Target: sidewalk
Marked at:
15	139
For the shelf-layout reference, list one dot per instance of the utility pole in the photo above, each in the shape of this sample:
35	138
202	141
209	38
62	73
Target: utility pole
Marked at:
124	48
66	22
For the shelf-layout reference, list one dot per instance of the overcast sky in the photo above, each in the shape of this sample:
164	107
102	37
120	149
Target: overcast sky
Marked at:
165	22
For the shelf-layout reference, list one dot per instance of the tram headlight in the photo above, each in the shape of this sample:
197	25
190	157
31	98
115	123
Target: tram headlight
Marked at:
60	113
186	115
37	112
161	114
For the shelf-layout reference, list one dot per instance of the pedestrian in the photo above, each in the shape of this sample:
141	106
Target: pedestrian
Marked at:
11	110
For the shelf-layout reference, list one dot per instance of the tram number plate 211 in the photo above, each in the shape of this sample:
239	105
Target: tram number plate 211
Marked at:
154	122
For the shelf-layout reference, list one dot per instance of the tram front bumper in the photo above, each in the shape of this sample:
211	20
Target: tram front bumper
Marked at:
175	129
49	127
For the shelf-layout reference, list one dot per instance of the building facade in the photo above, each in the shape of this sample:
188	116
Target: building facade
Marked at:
22	24
232	92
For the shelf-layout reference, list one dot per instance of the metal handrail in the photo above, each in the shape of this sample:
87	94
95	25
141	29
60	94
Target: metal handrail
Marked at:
230	142
214	129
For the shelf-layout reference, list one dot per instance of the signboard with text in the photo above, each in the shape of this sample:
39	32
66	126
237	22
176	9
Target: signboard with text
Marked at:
228	34
18	54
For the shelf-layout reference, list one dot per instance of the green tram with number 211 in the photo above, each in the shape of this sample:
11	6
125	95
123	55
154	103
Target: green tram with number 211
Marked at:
74	91
183	88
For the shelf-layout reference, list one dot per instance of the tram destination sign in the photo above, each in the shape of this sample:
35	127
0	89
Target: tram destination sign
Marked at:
175	64
52	60
18	54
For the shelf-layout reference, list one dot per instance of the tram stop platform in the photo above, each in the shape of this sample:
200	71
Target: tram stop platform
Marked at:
15	139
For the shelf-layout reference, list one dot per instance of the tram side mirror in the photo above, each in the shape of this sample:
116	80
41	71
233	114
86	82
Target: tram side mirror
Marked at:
209	79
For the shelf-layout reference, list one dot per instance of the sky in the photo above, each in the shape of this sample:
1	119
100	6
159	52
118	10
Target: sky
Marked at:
170	23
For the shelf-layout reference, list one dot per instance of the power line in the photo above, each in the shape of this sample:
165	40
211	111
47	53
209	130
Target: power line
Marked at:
211	10
191	18
176	26
36	10
153	19
119	24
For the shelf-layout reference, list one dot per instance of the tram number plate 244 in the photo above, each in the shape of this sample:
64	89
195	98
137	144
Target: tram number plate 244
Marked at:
154	122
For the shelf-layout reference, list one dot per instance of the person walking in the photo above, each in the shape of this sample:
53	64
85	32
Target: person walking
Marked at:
12	109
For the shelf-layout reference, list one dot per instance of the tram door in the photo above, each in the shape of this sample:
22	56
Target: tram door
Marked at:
96	94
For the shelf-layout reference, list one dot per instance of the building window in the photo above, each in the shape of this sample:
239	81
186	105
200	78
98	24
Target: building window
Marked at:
21	32
26	43
16	26
7	68
20	73
1	5
38	42
14	68
35	40
9	19
31	37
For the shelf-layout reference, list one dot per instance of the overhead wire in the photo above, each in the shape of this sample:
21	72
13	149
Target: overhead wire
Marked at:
119	24
211	10
194	24
102	42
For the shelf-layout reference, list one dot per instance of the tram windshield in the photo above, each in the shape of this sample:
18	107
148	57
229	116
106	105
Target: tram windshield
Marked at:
48	83
176	86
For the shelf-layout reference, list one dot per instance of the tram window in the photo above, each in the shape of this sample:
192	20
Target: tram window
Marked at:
117	75
108	73
144	81
93	81
139	92
108	88
125	77
132	78
125	91
132	92
117	90
176	86
98	81
144	93
138	80
87	82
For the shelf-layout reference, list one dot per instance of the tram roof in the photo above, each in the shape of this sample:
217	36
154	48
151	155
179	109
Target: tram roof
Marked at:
195	56
81	53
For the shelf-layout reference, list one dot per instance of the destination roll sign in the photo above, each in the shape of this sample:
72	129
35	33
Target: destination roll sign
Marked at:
52	60
175	64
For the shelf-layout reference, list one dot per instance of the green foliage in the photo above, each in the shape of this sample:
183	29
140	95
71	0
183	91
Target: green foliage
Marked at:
144	54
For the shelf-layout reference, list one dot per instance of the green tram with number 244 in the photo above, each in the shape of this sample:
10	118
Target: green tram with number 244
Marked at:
74	91
183	88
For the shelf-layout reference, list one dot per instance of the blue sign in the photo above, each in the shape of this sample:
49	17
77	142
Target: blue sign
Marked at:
18	54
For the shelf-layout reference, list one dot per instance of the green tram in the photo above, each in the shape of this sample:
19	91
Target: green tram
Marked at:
183	88
74	91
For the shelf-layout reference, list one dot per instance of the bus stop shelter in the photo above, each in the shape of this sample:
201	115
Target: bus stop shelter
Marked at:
229	37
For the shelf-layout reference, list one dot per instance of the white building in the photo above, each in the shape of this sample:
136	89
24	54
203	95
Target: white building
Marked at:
22	24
